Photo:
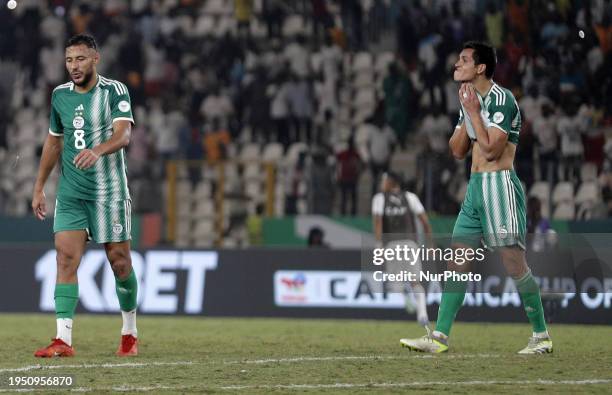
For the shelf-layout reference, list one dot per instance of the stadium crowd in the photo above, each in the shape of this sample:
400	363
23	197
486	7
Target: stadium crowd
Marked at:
341	90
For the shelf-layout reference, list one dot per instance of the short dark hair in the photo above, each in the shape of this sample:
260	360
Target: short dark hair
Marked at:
483	54
82	39
394	176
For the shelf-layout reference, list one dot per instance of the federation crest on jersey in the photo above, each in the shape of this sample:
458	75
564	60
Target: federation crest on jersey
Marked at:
124	106
117	229
498	117
78	122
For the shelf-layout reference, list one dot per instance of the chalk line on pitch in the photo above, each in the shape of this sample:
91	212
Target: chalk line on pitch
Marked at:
358	358
90	366
248	361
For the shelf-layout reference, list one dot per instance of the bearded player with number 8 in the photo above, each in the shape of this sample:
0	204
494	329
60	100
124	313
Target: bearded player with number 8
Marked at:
90	125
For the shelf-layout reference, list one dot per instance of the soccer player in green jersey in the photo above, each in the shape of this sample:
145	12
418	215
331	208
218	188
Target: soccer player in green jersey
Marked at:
90	125
494	206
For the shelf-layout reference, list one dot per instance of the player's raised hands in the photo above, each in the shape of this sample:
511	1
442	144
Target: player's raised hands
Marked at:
39	206
85	159
469	98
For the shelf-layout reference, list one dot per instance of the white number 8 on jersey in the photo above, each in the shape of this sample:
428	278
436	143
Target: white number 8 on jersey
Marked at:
79	139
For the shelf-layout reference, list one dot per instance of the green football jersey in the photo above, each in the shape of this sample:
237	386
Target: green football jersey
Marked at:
86	120
498	109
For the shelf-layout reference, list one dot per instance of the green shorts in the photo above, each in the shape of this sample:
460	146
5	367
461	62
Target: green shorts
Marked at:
492	212
104	221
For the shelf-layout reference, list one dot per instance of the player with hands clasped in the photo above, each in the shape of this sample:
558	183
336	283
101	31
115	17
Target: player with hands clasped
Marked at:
493	210
90	125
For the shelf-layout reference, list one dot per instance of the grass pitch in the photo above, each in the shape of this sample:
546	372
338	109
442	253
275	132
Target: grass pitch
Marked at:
212	355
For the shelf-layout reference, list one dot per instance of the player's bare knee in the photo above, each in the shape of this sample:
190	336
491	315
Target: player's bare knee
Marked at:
514	261
120	261
67	262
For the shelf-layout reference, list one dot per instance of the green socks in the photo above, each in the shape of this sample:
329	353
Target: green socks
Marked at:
127	292
454	294
66	299
532	302
452	299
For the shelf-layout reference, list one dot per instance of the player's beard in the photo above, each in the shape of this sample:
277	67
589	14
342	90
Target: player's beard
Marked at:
86	79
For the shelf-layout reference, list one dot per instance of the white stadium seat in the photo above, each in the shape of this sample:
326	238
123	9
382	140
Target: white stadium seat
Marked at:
588	172
273	152
362	61
563	192
250	152
541	190
565	211
588	192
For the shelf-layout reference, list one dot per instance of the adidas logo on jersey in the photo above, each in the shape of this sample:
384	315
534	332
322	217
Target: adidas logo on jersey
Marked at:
79	108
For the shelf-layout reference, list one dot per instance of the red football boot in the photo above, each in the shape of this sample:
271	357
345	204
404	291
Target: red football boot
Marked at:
56	349
128	346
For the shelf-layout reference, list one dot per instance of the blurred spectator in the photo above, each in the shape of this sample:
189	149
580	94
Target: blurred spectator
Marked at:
380	147
243	9
257	104
398	91
569	128
545	132
274	12
539	231
298	57
216	140
320	184
525	152
254	226
531	104
494	21
217	105
351	12
279	110
299	96
436	128
348	172
604	33
316	238
295	180
322	20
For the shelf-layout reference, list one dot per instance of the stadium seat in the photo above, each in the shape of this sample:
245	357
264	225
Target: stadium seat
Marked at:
204	229
294	152
382	62
564	211
184	210
217	7
316	62
588	192
365	98
362	61
541	190
563	192
293	25
364	80
253	171
253	189
183	189
273	152
258	29
203	190
205	26
204	209
230	171
226	24
588	172
250	152
585	210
